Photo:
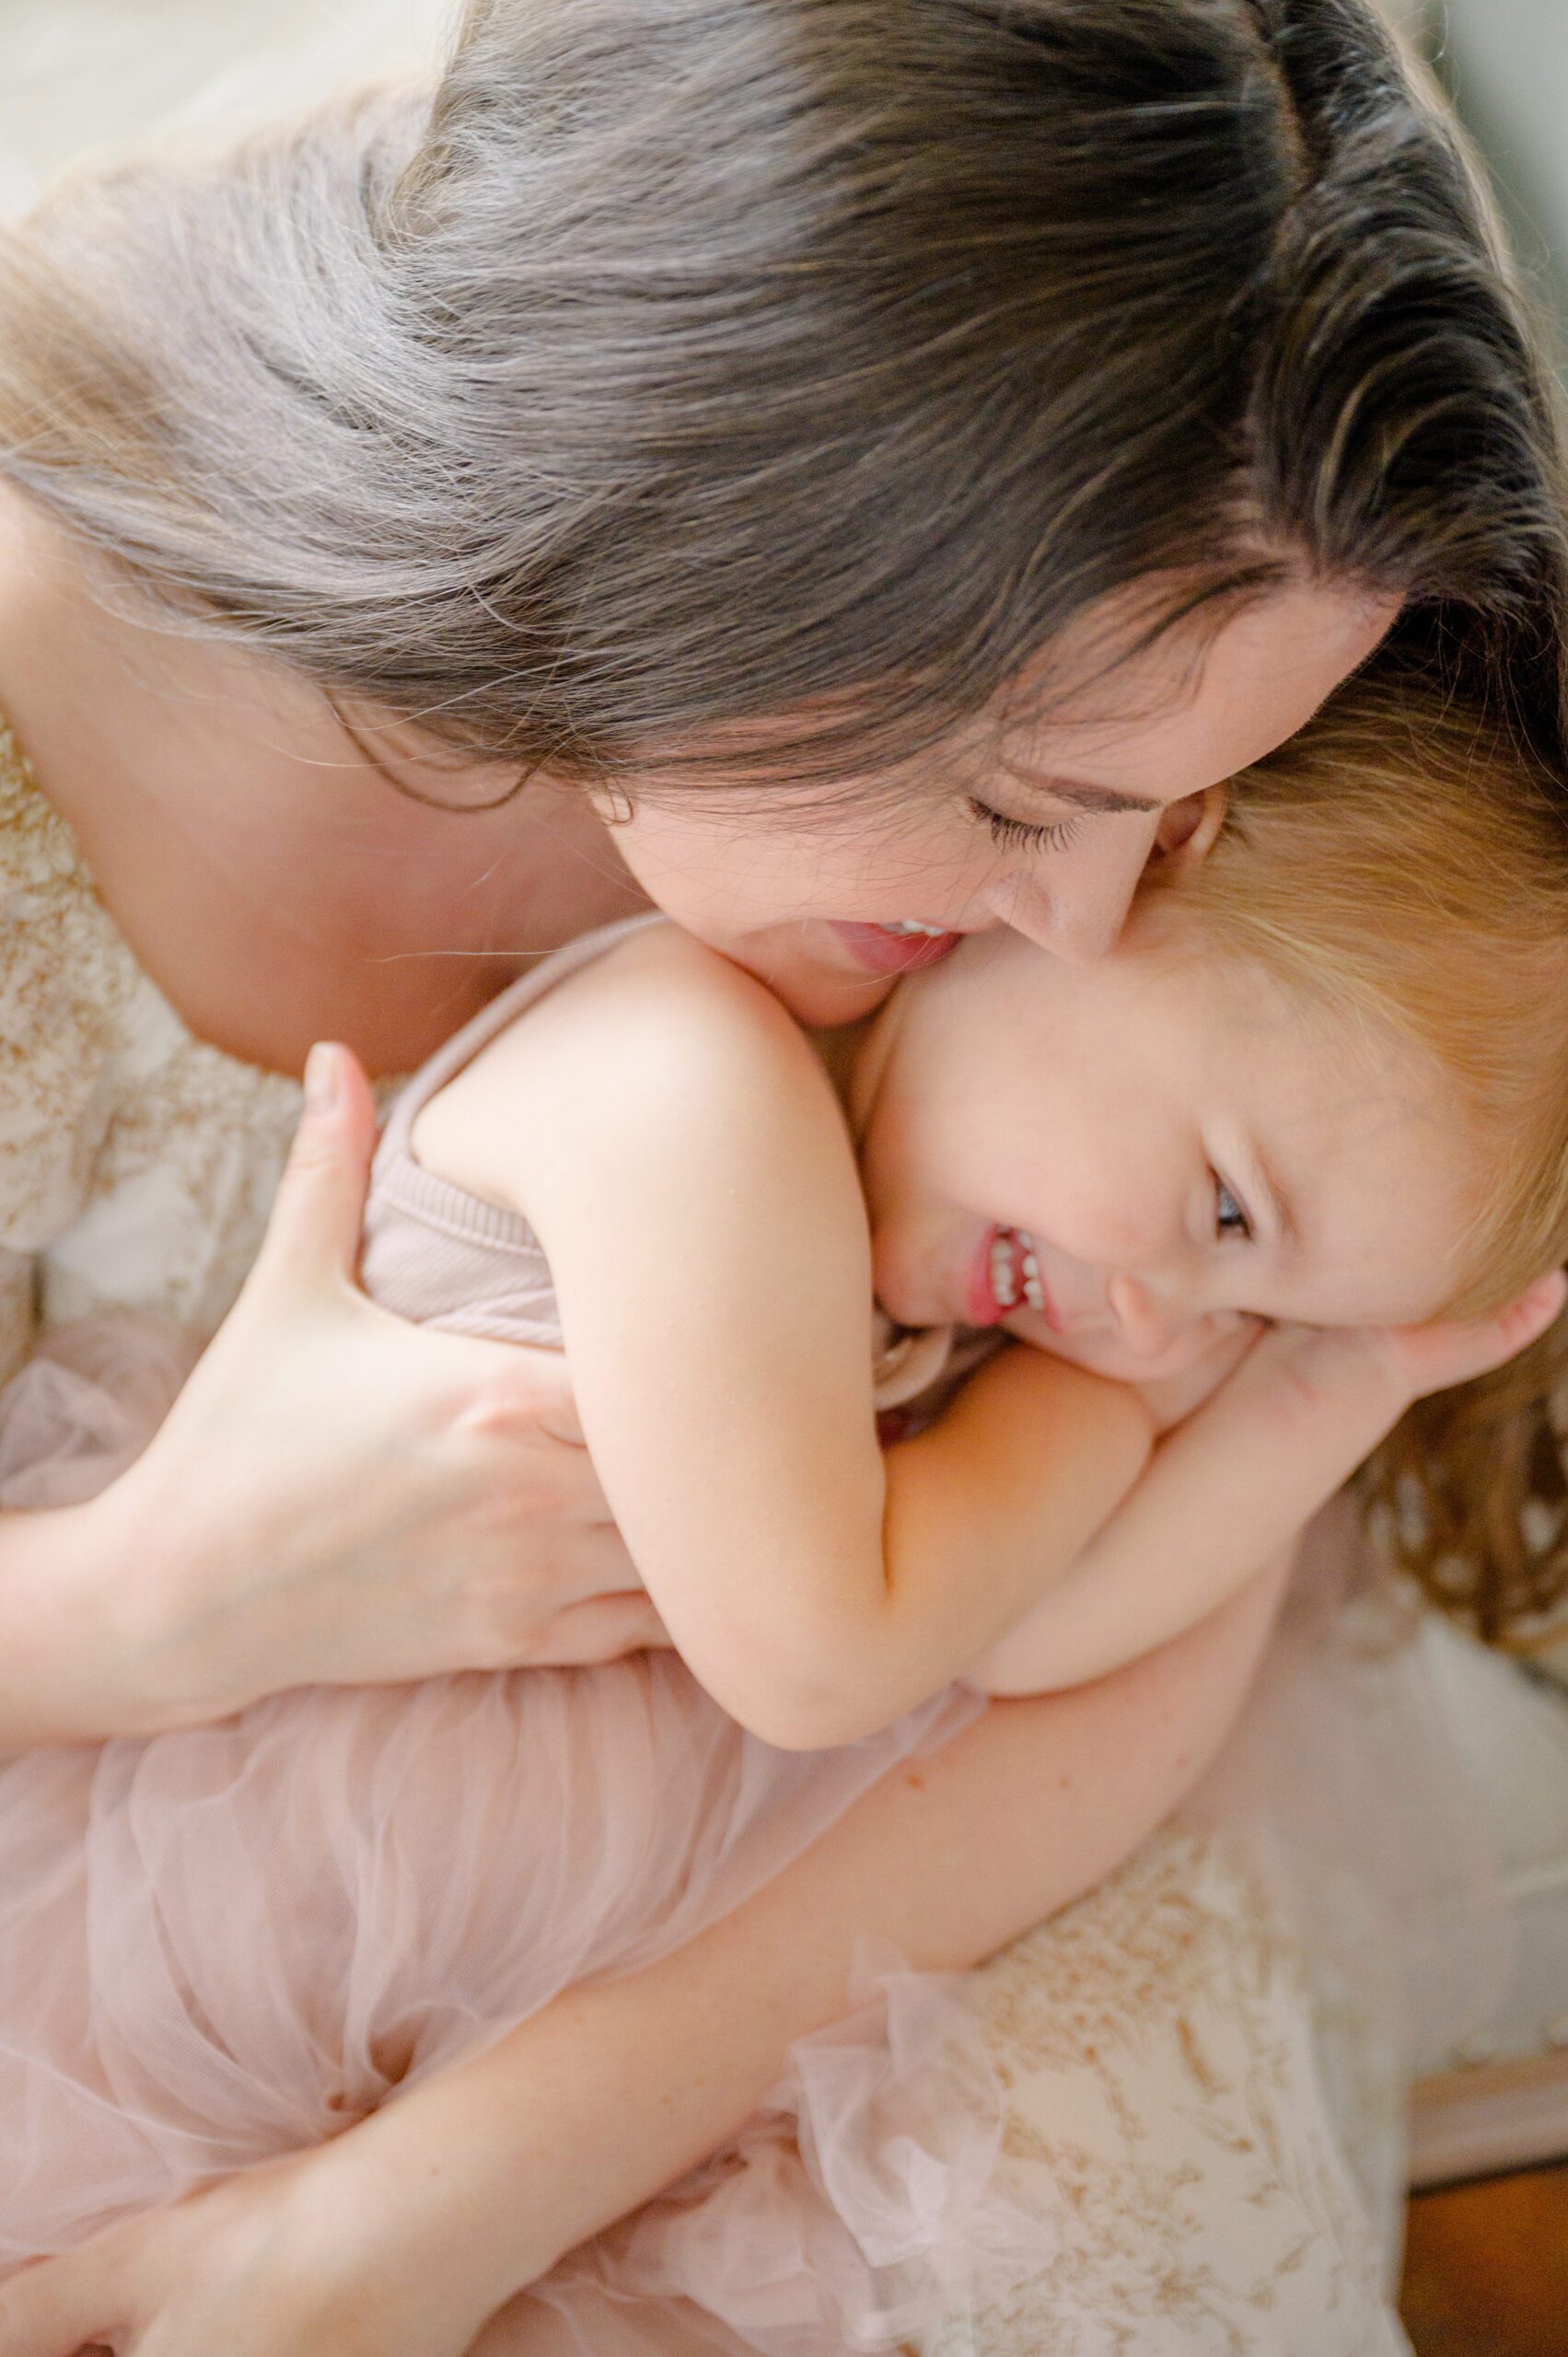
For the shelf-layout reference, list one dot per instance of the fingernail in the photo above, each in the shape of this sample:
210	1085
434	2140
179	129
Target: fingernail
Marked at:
320	1078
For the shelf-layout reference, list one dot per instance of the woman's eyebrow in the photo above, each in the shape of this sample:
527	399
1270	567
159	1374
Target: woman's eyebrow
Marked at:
1101	799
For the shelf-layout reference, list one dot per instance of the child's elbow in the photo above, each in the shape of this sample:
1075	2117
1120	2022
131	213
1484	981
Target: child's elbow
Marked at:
811	1682
813	1720
801	1708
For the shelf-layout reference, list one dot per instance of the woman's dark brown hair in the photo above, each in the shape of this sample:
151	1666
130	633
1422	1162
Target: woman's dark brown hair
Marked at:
687	368
690	364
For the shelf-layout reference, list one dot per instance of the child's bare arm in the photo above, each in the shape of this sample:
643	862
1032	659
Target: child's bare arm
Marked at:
1225	1491
693	1185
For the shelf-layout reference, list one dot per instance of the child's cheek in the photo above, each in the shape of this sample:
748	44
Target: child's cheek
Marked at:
1104	1354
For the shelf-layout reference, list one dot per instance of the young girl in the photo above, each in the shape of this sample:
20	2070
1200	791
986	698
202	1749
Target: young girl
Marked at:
221	1944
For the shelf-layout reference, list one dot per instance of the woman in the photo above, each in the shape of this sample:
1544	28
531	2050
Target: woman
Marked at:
882	458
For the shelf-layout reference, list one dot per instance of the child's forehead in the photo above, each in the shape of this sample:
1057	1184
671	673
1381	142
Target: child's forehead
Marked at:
1320	1080
1200	1005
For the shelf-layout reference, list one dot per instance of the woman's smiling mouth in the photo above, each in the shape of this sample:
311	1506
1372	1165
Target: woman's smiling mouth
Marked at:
901	948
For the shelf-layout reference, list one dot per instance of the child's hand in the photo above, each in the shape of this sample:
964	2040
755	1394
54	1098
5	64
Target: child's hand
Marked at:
1398	1364
289	2260
1435	1358
1407	1361
1174	1397
1240	1477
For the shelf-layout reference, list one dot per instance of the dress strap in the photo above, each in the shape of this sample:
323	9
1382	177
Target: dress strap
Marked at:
460	1050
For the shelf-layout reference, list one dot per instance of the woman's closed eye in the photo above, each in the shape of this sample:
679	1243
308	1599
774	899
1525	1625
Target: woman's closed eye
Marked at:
1024	834
1230	1214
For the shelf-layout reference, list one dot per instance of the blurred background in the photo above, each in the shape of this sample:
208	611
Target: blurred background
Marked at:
1506	63
78	77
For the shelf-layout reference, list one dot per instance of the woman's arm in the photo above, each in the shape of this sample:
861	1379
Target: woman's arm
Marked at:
404	2233
673	1141
336	1497
946	1861
1232	1484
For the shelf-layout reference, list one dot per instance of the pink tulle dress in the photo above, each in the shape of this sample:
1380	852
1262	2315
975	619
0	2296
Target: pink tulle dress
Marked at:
220	1946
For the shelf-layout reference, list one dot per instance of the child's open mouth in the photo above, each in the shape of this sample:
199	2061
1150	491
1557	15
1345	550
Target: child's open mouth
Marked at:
1005	1277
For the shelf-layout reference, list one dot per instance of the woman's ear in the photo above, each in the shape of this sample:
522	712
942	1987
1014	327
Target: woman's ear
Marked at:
1188	830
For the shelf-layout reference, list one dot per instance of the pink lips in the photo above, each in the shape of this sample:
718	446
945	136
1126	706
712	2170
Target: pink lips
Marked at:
985	1309
1005	1249
881	952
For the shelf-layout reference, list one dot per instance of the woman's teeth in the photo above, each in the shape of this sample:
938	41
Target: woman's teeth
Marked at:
1015	1270
907	926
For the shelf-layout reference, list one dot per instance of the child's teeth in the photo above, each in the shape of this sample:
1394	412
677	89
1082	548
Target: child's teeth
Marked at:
1034	1291
907	925
1003	1286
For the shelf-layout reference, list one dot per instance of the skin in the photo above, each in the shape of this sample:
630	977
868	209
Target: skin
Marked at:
1158	732
1125	1116
308	900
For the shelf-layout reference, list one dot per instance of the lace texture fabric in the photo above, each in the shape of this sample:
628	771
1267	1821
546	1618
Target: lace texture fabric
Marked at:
136	1163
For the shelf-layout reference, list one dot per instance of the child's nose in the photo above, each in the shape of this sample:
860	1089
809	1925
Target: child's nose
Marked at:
1148	1325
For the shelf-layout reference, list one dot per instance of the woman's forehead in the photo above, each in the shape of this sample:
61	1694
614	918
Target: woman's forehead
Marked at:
1183	715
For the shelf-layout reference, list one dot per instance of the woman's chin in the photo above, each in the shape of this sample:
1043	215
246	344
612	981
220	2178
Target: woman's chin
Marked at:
807	970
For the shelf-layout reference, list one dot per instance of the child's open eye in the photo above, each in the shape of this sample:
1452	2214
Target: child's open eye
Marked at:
1024	834
1230	1218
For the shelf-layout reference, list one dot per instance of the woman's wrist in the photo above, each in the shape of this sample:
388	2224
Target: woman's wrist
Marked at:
433	2183
79	1629
180	1645
103	1627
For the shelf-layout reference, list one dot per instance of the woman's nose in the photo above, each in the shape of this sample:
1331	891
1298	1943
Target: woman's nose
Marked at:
1148	1326
1077	906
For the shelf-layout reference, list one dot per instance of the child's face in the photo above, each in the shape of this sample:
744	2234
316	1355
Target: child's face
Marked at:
1118	1162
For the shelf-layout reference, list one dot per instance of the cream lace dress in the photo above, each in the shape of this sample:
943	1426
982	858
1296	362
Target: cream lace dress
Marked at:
1162	2053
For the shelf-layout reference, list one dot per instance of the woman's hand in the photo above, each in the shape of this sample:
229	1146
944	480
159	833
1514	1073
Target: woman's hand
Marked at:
291	2260
340	1497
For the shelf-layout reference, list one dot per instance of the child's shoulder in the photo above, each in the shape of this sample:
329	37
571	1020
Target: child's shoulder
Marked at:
660	1005
658	1031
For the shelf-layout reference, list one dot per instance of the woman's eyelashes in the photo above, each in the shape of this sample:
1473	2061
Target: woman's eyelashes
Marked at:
1024	834
1230	1216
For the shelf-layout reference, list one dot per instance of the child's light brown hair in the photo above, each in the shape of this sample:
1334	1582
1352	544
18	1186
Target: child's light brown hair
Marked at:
1405	859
